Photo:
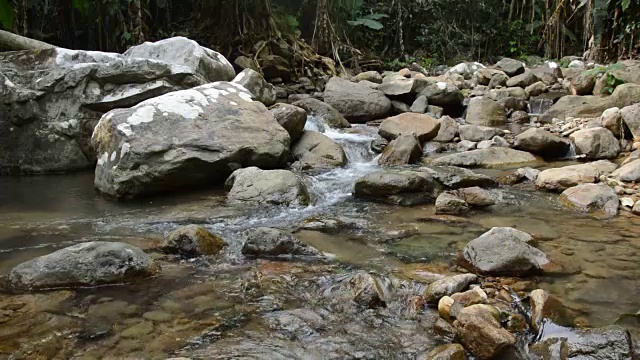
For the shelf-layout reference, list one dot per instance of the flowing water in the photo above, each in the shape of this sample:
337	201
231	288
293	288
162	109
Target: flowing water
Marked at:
231	307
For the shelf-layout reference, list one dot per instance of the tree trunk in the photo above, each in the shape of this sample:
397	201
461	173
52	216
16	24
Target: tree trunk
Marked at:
10	41
598	51
322	32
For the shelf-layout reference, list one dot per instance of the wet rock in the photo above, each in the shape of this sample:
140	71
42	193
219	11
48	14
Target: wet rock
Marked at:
442	328
484	111
365	289
420	105
542	142
138	330
268	243
481	333
456	177
448	286
192	240
544	307
87	264
596	143
423	126
477	133
592	198
475	196
520	117
447	352
510	66
185	139
503	251
536	89
372	76
273	187
443	94
629	172
522	80
52	99
317	151
449	204
358	103
291	118
487	158
631	117
255	83
611	342
327	114
402	187
403	150
470	297
448	130
559	179
378	145
466	145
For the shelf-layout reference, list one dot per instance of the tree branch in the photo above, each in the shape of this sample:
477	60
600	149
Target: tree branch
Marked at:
11	41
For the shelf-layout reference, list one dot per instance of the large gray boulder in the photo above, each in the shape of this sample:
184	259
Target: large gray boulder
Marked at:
403	150
324	112
291	118
256	84
87	264
629	172
608	343
357	102
511	67
448	129
503	251
592	198
596	143
423	126
317	151
631	118
443	94
477	133
560	179
187	138
454	177
543	143
484	111
52	99
272	187
487	158
522	80
401	187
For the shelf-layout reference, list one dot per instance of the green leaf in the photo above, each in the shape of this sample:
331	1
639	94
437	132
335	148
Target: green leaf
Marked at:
371	24
376	16
6	15
81	5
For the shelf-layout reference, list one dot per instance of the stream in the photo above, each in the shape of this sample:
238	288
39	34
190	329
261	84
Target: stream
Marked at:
231	307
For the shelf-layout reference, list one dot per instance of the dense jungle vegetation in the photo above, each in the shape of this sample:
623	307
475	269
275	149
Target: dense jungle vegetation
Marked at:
352	31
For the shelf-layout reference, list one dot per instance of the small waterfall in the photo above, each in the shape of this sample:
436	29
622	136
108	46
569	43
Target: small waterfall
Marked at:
571	154
538	106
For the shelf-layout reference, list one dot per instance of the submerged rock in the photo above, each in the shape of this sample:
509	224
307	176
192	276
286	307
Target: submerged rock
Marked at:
190	138
315	150
481	333
402	187
192	240
53	98
273	187
356	102
269	242
291	118
503	251
255	83
87	264
487	158
606	343
559	179
592	197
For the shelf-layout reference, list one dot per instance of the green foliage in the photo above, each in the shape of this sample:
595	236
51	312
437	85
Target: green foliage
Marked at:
369	21
6	15
611	81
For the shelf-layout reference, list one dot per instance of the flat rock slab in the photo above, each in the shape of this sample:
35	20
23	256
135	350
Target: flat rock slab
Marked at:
487	158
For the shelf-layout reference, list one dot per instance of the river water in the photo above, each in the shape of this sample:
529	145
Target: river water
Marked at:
230	307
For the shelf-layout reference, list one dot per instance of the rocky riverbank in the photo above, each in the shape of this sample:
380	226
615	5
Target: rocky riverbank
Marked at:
384	216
